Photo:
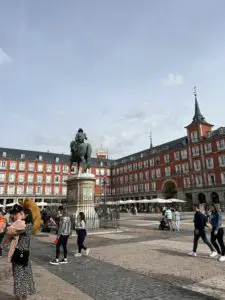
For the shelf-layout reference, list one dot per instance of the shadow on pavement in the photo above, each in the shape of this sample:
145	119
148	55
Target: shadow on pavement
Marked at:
4	296
172	252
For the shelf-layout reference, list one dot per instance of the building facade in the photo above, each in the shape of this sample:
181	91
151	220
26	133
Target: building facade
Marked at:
42	176
191	168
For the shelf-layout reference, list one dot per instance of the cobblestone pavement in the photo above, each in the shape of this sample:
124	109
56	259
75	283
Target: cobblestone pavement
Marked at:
137	263
102	280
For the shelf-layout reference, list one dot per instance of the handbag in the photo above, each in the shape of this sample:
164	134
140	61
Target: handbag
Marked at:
56	241
20	257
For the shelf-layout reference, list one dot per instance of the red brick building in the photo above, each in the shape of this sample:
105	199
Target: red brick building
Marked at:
42	175
191	168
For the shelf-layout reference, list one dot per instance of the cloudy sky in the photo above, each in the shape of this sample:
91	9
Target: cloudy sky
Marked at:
115	68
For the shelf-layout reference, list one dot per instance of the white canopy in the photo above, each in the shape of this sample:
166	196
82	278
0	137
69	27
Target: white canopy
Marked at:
158	200
1	205
143	201
42	203
177	200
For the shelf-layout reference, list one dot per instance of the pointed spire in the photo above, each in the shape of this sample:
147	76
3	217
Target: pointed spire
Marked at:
150	136
198	117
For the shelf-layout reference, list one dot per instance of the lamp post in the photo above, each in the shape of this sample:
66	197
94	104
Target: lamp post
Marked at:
104	184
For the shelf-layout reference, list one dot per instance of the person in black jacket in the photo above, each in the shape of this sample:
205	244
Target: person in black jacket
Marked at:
200	221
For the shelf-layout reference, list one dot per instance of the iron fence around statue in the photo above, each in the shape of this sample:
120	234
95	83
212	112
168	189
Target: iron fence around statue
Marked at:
109	215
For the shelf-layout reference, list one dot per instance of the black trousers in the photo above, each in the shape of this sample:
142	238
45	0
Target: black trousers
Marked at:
217	241
1	238
81	235
63	239
201	234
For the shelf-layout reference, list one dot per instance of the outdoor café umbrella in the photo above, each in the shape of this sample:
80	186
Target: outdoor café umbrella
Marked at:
177	200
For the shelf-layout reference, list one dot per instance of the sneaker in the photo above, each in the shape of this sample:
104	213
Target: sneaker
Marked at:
87	251
193	254
77	255
222	258
63	261
213	254
54	262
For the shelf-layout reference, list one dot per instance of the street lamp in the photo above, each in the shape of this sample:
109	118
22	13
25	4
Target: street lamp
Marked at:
104	184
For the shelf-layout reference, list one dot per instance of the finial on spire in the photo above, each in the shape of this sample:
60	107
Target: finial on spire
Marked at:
195	92
198	117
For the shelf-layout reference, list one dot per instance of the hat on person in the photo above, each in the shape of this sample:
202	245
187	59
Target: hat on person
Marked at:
15	209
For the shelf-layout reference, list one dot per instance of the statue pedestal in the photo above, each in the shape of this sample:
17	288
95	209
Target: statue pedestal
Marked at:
80	198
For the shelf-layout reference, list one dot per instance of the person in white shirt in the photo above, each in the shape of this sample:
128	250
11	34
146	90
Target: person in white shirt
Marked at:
81	234
177	219
169	218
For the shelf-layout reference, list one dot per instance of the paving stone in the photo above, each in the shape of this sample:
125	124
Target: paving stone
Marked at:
101	280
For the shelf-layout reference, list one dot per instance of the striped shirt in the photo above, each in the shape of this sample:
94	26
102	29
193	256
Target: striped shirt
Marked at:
64	226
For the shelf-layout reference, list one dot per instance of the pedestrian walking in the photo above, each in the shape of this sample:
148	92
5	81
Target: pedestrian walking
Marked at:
81	235
217	232
62	239
199	232
177	219
169	218
3	222
19	234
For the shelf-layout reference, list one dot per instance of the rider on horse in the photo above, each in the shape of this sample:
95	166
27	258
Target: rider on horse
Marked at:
80	137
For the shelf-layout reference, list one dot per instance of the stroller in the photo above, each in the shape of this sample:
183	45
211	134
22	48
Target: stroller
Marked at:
163	224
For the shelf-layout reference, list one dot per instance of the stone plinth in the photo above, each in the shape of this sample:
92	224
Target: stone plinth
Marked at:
80	198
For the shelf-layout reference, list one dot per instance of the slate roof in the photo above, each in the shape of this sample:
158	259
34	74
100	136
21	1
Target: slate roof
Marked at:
181	142
49	157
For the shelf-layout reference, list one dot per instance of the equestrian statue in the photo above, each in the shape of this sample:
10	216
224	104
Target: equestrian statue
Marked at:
80	151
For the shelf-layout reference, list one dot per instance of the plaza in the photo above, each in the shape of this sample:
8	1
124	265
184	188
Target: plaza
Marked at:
137	261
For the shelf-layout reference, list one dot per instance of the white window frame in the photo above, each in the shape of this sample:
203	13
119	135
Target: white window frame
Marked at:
222	160
220	144
12	165
21	166
31	167
211	164
208	148
3	164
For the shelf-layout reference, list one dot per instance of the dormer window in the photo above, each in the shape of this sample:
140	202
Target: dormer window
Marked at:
22	156
57	159
40	158
4	154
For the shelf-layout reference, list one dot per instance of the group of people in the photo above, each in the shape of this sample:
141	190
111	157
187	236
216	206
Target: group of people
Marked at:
168	218
63	230
213	221
16	229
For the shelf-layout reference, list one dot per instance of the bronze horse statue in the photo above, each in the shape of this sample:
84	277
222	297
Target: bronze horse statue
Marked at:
80	153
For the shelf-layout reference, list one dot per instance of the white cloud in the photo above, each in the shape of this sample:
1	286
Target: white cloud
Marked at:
173	79
4	58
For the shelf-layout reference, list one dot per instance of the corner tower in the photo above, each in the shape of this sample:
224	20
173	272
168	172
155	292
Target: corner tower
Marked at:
198	128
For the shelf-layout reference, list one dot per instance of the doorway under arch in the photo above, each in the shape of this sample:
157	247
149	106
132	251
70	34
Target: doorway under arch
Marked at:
201	198
169	189
215	198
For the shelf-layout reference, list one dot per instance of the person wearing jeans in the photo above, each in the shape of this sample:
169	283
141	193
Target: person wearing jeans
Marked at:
177	219
217	232
199	232
63	235
81	235
169	218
